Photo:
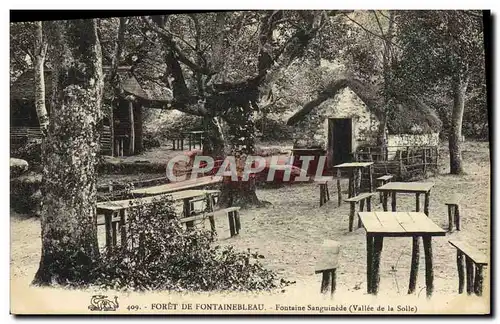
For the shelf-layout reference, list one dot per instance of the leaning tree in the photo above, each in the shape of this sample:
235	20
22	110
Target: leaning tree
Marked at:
220	65
68	219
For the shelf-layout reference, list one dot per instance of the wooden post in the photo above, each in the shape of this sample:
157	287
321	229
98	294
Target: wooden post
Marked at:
393	202
377	251
450	218
139	142
429	271
131	148
469	267
384	202
370	177
426	203
351	215
326	281
108	216
425	160
461	270
415	257
369	262
123	229
478	282
457	217
112	128
231	224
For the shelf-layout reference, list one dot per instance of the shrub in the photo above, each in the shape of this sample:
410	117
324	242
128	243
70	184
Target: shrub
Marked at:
31	151
162	255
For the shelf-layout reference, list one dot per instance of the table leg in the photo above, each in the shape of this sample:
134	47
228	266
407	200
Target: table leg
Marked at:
114	227
357	184
429	271
187	212
417	202
210	208
478	281
393	202
384	202
426	203
461	270
377	251
469	267
108	216
369	262
415	256
339	189
334	282
123	230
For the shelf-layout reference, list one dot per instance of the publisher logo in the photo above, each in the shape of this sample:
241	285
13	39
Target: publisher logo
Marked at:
103	303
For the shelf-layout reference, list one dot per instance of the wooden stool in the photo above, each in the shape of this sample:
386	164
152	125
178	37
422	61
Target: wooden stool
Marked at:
361	199
327	266
453	212
382	181
473	259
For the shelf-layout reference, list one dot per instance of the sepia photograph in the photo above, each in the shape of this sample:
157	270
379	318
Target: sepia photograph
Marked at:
274	161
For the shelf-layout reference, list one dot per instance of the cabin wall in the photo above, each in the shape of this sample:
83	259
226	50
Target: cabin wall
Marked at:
313	130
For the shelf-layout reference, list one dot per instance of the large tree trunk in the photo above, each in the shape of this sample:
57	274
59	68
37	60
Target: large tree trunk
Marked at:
40	50
68	220
459	89
241	137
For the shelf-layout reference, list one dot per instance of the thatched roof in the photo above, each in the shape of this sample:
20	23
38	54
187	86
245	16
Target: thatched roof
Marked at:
23	88
406	115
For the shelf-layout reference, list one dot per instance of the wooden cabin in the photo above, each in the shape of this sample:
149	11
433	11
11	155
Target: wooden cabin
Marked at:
119	137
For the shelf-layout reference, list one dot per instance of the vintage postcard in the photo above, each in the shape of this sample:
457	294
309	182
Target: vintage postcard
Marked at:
305	162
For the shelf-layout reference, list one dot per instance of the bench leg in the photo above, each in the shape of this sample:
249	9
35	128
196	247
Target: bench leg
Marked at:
377	251
334	282
417	202
123	229
469	267
326	281
429	271
450	218
461	270
369	204
478	281
361	208
109	236
351	215
415	256
114	226
231	224
457	217
327	192
321	195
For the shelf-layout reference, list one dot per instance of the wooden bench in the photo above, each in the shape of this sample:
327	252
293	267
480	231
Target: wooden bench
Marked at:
382	181
231	212
327	266
473	259
361	198
453	212
324	193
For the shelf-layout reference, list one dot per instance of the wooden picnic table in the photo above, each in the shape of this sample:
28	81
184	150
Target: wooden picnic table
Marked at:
407	187
176	186
111	208
354	169
399	224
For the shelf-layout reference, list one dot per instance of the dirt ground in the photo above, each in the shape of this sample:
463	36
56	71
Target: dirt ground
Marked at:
289	234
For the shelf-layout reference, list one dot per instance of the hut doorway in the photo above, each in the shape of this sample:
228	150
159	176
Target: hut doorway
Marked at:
340	134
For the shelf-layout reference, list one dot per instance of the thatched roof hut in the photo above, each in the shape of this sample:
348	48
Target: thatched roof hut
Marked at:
407	115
